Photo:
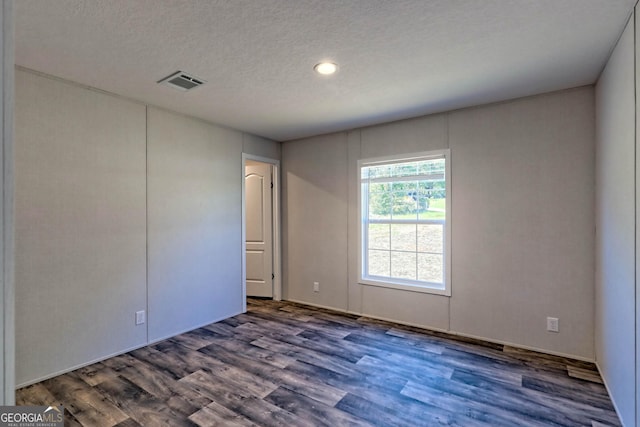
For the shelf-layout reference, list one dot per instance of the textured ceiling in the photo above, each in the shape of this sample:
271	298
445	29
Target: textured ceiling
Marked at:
397	58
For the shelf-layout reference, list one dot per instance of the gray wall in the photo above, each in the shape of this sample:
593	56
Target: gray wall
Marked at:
7	288
194	220
522	221
616	233
258	146
80	225
314	207
84	162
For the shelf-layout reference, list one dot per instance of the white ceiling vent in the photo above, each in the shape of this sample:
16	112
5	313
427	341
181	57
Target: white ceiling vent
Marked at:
182	81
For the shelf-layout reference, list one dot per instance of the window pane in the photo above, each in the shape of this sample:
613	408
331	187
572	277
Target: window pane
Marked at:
404	207
433	168
436	189
421	196
379	263
371	172
403	265
430	238
379	187
380	201
403	237
404	169
405	220
430	268
434	210
403	187
379	236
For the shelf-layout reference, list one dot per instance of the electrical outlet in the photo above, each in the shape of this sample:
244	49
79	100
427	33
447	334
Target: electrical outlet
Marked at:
552	324
140	317
316	286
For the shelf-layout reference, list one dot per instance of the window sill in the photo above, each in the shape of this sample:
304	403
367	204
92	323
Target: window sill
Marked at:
425	289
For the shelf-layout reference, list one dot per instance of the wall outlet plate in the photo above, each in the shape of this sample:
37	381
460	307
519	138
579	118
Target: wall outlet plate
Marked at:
316	286
140	317
552	324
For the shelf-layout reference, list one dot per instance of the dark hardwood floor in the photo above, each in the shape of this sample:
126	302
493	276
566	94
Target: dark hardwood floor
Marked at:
285	364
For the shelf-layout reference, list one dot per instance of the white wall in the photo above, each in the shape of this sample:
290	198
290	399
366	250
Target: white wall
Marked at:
97	197
616	232
258	146
636	20
409	136
523	221
194	222
522	224
7	288
314	209
80	225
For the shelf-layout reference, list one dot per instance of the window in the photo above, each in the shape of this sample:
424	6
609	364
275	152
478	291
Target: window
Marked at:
405	232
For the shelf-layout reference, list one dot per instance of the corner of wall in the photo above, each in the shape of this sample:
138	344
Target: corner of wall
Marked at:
617	203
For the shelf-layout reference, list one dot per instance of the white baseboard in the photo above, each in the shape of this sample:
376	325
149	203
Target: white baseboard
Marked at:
100	359
341	310
453	333
613	402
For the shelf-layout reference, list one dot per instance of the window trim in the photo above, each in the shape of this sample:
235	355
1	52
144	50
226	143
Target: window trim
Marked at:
401	284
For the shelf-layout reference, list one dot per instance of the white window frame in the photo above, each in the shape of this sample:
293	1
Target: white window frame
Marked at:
397	283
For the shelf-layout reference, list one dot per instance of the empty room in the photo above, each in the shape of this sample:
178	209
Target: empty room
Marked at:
320	212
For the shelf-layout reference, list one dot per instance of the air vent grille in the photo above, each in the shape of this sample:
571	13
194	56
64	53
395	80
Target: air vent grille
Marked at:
182	81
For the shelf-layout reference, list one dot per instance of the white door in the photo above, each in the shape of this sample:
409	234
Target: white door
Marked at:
258	190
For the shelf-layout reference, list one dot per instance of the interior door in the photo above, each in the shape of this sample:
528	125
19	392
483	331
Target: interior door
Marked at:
259	230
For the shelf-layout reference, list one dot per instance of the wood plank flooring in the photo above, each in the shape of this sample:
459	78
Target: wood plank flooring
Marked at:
285	364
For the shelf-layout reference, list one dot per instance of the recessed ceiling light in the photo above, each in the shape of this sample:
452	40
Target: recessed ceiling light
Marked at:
326	68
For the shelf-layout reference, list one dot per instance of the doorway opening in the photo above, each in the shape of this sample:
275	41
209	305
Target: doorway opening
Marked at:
261	270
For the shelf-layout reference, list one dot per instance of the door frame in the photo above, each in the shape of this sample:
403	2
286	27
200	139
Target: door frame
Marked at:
275	218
